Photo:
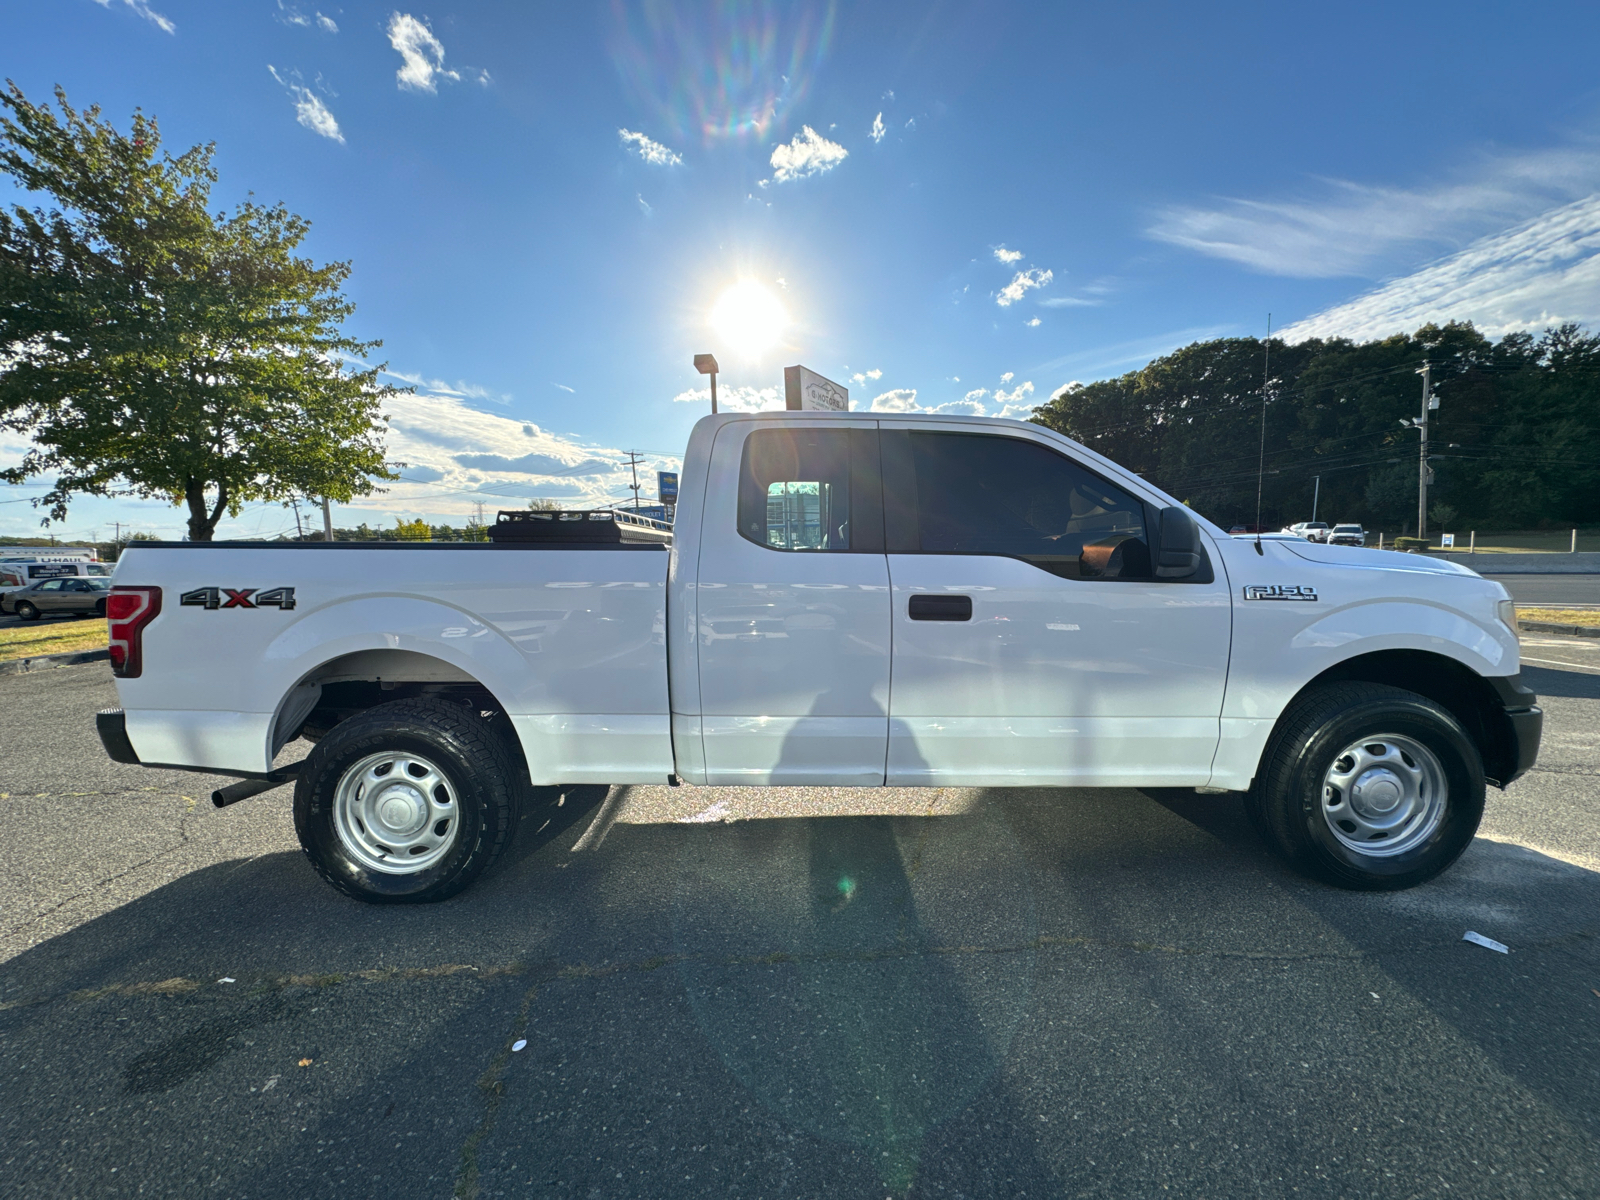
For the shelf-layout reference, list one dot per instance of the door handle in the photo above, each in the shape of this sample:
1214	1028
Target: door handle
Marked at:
924	607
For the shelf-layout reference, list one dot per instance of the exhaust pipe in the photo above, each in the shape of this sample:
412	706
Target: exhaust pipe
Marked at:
246	788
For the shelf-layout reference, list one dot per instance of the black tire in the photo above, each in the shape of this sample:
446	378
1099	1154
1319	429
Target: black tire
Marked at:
1286	802
99	608
475	760
26	611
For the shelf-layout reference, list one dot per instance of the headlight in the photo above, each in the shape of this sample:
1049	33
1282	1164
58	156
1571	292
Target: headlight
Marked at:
1508	614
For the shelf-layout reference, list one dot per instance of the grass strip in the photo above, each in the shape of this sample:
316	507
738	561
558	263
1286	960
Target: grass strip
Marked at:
1561	616
51	637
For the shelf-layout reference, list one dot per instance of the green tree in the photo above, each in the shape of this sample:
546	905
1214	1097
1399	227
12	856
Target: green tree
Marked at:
149	347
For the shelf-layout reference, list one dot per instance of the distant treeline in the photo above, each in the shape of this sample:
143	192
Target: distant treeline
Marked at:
1515	442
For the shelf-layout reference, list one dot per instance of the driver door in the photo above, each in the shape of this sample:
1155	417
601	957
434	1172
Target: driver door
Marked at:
1032	643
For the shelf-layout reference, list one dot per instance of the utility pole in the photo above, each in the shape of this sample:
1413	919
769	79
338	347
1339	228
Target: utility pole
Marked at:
1424	471
634	459
298	532
1316	494
327	521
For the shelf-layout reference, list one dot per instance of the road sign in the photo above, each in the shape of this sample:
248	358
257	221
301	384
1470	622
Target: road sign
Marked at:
1448	541
667	487
806	391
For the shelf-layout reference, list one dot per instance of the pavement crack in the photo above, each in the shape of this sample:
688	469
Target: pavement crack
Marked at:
182	841
549	972
493	1088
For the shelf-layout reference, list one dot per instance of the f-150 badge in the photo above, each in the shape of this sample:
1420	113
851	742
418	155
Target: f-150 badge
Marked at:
210	597
1270	591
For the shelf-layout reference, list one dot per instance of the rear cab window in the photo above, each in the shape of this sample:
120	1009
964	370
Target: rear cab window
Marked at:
811	490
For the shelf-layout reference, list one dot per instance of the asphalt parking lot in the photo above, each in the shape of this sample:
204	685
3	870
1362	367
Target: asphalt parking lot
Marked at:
785	992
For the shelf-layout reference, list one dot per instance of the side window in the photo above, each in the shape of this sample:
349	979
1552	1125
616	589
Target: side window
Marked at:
810	490
981	494
53	585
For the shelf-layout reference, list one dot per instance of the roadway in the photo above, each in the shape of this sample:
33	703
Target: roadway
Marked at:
788	992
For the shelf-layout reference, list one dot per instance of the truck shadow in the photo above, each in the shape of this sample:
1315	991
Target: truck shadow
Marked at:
1023	998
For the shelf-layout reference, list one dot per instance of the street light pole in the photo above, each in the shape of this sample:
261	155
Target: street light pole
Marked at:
706	364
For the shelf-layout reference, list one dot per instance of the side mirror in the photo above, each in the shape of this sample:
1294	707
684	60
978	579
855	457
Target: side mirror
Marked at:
1178	552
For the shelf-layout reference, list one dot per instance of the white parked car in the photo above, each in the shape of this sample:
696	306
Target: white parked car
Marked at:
1312	531
1347	535
852	600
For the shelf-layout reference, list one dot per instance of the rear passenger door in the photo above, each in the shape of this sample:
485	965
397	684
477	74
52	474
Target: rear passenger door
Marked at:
793	601
1031	642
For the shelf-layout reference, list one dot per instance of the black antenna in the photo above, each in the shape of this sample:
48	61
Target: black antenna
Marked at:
1261	461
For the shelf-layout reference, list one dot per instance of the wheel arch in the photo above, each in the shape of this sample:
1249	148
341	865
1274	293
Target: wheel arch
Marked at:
356	680
1467	696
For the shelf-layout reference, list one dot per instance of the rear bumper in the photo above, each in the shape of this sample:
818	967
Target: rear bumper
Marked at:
112	724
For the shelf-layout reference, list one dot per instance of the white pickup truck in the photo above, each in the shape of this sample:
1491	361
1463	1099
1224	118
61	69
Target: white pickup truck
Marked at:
847	599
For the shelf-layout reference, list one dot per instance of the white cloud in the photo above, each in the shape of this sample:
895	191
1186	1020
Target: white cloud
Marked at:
900	400
1008	377
1543	272
564	387
1349	228
861	378
1033	277
143	9
651	151
644	205
1016	395
1066	389
421	53
877	131
1070	302
808	153
1033	324
736	399
309	109
1002	255
289	14
975	395
911	124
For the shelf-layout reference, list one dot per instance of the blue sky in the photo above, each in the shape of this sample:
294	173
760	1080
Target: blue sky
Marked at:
958	206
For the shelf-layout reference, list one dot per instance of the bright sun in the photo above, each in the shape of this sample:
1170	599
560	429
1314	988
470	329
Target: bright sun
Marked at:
749	319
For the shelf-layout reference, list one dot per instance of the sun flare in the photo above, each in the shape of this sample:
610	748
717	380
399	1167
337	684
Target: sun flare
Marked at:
749	319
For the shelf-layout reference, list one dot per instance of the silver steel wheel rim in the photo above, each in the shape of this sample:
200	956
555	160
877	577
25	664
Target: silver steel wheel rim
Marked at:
396	812
1384	795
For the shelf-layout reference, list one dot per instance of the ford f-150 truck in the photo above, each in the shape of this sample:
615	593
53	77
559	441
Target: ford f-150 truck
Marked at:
846	599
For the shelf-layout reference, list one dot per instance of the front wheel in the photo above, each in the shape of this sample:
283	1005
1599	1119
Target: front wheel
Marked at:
27	611
1368	787
407	803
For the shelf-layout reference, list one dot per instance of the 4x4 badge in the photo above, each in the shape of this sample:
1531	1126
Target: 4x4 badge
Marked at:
1279	591
210	597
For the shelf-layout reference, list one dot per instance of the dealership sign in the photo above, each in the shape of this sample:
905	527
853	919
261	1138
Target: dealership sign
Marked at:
806	391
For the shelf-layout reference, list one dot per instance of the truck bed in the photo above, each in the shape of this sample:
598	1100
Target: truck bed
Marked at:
568	641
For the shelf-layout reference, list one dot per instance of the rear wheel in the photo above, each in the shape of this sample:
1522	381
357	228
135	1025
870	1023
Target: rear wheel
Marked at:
407	803
27	611
99	608
1368	787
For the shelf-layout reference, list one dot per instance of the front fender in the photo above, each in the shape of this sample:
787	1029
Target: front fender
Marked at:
1265	678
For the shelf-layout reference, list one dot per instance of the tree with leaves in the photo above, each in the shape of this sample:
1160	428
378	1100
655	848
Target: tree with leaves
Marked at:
1514	444
150	347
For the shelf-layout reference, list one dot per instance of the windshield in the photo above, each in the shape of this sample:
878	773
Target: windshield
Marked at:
1347	529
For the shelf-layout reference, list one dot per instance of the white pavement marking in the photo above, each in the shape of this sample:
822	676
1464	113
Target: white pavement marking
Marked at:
1557	662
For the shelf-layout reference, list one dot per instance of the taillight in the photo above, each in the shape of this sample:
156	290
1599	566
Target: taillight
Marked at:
128	611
